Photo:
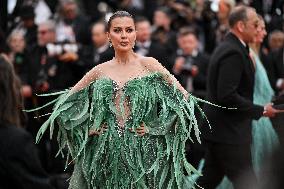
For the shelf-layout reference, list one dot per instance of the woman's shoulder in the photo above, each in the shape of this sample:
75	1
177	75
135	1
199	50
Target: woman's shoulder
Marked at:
100	68
150	63
91	76
147	60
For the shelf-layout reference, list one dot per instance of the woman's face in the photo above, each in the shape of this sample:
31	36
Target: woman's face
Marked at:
122	33
17	43
261	32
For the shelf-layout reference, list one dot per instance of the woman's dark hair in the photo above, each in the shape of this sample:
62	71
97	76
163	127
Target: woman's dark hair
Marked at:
118	14
3	45
10	98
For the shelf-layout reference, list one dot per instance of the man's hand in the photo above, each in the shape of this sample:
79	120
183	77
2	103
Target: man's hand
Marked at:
194	70
44	86
179	63
26	91
269	111
68	57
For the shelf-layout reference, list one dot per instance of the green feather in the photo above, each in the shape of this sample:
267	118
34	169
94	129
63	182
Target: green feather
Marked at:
120	158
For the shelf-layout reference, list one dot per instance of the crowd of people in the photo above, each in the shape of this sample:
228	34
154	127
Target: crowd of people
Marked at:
51	45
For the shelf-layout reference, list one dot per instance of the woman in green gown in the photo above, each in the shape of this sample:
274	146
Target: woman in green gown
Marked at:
126	122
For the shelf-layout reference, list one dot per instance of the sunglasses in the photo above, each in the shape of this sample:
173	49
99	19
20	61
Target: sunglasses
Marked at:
42	32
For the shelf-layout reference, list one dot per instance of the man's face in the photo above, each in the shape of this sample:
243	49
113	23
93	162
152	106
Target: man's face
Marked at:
28	22
99	35
161	19
188	43
224	11
250	26
45	35
143	31
69	11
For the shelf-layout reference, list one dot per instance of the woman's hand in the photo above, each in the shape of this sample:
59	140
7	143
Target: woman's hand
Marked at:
141	131
99	131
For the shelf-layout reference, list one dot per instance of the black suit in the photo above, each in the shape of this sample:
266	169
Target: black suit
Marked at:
81	28
200	60
157	51
90	57
230	84
19	163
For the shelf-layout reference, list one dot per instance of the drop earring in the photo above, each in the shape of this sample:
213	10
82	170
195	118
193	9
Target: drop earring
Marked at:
110	44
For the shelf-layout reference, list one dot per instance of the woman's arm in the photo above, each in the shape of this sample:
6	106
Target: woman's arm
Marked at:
154	66
90	76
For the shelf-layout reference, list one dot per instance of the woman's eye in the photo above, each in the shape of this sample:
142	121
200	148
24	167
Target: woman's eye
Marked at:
129	30
116	30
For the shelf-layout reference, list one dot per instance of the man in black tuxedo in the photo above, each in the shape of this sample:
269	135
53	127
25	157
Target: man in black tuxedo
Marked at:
99	51
190	64
230	84
72	25
145	46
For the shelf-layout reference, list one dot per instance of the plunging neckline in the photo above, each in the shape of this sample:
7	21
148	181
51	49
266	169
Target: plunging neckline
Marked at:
130	80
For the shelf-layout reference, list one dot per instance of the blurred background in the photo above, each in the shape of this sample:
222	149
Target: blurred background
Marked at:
53	43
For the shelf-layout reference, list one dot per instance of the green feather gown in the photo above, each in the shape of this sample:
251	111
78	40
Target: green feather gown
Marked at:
119	158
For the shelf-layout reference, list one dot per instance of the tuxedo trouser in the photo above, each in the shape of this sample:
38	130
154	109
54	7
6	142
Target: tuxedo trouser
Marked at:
233	161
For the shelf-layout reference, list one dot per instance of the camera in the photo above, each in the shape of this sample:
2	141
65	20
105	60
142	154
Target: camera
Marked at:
54	49
187	67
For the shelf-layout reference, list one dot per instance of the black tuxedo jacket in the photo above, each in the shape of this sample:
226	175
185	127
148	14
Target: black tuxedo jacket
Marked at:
88	60
230	84
159	52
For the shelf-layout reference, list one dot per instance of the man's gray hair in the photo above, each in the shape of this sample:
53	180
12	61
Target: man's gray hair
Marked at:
239	13
50	24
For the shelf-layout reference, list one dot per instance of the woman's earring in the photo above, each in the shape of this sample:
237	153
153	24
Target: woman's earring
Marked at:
110	44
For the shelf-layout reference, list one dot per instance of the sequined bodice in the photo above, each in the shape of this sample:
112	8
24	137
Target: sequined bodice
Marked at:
122	95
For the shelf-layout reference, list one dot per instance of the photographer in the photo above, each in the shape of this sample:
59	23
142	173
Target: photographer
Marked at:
190	68
162	30
190	65
52	67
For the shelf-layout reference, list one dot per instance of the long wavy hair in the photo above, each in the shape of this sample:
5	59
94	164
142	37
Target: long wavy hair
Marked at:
10	98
